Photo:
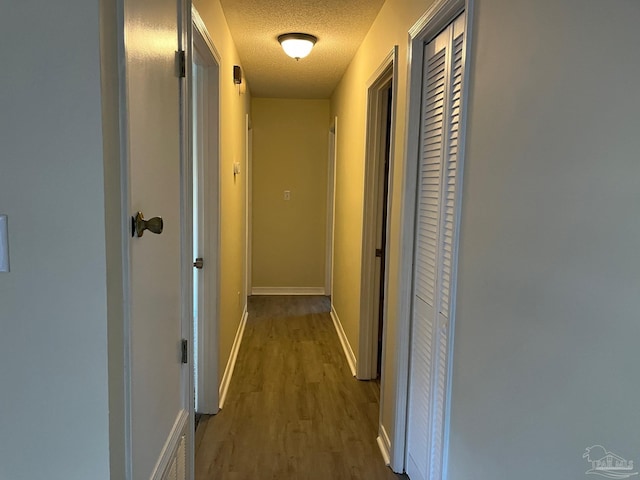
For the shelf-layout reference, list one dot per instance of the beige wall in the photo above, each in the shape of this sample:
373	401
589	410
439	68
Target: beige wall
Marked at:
290	149
349	103
234	105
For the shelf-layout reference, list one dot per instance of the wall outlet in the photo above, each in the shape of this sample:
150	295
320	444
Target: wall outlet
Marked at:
287	194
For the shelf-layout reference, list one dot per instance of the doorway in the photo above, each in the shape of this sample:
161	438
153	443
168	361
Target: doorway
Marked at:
206	229
381	222
381	107
380	121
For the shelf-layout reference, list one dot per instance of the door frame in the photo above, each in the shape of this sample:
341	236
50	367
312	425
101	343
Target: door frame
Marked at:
207	361
377	86
247	210
186	227
331	205
430	24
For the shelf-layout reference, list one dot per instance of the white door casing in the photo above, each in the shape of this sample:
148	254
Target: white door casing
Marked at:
157	288
206	148
377	98
247	210
437	215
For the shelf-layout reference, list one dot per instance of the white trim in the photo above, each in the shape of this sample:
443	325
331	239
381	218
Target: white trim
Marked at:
247	202
170	447
125	227
435	19
115	219
185	426
384	445
202	29
231	363
438	16
207	361
387	72
344	341
288	291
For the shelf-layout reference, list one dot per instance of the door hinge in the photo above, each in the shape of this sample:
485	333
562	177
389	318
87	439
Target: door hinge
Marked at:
181	63
185	351
378	252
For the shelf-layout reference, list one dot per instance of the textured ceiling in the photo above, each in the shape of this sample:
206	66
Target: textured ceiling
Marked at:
340	26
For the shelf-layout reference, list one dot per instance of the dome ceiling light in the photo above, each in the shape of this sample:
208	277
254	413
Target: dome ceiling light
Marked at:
297	45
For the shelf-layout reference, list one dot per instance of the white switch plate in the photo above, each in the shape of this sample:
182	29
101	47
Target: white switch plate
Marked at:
4	244
287	194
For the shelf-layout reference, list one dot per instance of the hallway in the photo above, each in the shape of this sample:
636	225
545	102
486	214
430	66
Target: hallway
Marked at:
293	409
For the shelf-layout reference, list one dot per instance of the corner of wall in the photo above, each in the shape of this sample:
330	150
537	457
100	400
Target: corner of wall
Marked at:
109	26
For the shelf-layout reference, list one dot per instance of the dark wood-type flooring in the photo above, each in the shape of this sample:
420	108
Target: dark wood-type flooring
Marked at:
293	410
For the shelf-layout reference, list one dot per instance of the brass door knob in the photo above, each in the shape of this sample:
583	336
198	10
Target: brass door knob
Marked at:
139	225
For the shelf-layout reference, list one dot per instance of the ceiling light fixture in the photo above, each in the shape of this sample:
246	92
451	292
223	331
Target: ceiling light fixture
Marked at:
297	45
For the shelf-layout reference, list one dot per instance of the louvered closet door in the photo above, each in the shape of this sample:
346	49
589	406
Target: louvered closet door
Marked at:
436	220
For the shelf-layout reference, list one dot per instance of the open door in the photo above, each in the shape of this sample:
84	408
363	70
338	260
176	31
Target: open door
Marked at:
380	120
156	180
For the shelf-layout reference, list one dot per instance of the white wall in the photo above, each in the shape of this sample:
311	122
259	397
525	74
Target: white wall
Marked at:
546	352
53	327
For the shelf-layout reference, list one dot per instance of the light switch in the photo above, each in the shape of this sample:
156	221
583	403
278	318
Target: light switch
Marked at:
4	244
287	194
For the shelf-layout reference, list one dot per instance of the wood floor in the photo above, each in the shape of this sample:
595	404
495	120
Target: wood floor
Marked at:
293	410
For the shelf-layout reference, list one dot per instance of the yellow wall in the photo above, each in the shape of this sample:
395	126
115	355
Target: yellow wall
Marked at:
290	149
234	106
349	104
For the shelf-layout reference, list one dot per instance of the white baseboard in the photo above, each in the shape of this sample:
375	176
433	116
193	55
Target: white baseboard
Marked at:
348	352
288	291
231	363
170	447
384	445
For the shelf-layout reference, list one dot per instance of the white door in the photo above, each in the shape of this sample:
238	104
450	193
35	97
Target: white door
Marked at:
435	252
158	397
